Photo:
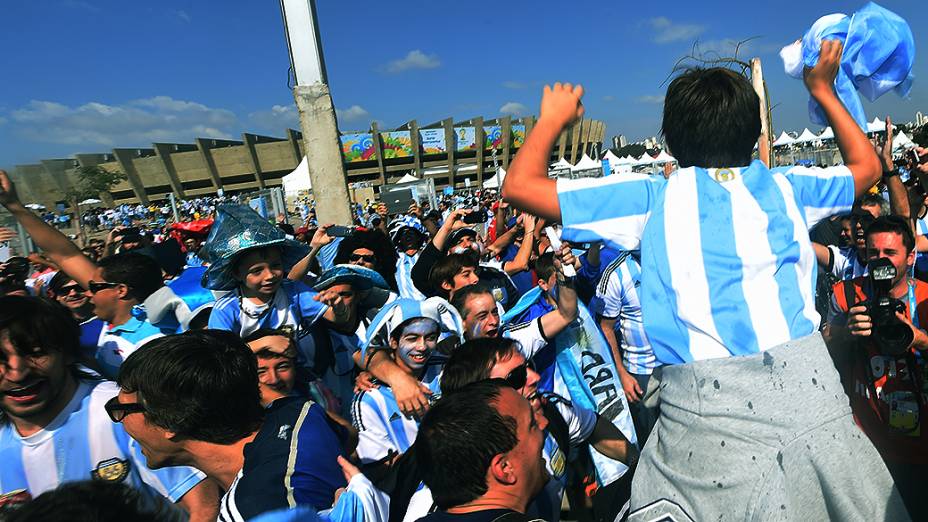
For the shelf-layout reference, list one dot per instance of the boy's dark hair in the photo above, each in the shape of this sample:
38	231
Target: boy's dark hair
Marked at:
89	500
544	266
139	272
711	118
473	361
458	439
896	225
39	323
378	243
444	270
461	296
202	385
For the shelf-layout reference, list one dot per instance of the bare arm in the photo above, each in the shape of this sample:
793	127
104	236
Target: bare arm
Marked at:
898	195
856	149
520	262
527	186
56	245
608	440
202	501
555	321
822	255
319	240
451	224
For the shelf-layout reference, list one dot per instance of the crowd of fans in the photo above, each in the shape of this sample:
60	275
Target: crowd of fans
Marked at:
462	363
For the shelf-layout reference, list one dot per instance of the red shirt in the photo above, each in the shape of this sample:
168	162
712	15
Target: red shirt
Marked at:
888	394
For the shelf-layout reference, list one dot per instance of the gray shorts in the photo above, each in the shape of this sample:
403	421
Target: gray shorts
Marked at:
763	437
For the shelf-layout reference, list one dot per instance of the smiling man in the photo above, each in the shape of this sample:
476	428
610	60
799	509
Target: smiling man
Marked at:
55	429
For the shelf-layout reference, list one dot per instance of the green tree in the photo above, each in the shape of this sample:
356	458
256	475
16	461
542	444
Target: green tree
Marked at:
92	181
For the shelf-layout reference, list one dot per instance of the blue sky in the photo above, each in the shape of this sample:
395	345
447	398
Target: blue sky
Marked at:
90	75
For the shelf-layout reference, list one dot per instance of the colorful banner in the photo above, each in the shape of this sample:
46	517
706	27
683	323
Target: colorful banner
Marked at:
358	147
433	141
494	137
518	136
396	144
465	138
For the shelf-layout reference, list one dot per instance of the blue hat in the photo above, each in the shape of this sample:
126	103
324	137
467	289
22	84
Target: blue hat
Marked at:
238	229
394	314
359	277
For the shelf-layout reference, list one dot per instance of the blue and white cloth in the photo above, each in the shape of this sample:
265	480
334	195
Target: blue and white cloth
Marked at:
727	264
382	426
879	53
115	343
292	305
617	298
845	264
407	290
82	443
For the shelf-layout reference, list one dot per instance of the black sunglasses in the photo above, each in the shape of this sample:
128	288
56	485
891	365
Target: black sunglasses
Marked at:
118	410
518	377
96	286
362	257
65	290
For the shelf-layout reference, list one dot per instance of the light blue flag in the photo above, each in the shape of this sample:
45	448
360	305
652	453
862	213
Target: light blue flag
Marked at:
879	52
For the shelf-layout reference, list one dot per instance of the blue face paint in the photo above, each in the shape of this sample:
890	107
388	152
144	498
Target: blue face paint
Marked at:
417	342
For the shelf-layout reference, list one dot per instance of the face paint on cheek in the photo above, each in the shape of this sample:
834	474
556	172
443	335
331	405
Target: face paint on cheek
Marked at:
415	354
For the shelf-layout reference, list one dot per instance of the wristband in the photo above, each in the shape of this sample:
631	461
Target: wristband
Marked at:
890	174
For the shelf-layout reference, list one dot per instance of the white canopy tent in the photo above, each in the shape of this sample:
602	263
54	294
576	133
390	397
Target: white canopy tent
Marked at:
663	157
901	141
586	163
645	159
408	178
561	164
613	159
876	125
298	180
784	139
806	136
827	134
497	180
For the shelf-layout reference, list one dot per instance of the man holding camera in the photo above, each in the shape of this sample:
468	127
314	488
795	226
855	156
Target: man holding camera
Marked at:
876	338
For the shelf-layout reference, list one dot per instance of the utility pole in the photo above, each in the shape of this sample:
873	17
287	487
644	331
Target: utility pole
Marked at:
317	114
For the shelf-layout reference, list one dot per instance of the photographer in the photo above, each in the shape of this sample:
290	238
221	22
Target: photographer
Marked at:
878	346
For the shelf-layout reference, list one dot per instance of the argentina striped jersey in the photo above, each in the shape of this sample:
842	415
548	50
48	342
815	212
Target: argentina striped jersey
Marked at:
381	425
82	443
727	265
407	290
617	298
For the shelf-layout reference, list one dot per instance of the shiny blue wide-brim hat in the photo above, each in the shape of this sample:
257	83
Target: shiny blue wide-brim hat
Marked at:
359	277
237	230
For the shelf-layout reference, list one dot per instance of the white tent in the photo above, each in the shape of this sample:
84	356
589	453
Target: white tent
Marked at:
298	179
784	139
806	136
408	178
613	159
901	141
876	125
497	180
586	163
827	134
645	159
663	157
561	164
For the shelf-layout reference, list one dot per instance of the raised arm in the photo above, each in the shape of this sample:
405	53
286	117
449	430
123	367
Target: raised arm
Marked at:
56	245
527	186
856	149
555	321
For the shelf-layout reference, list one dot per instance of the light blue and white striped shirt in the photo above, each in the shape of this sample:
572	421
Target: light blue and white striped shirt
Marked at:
381	424
82	443
727	264
617	298
407	290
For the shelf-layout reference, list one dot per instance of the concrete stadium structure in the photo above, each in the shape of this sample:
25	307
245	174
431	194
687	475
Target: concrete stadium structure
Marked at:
256	162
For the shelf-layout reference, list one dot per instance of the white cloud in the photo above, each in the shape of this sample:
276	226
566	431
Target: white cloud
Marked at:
134	123
278	118
509	84
355	112
667	31
651	99
514	109
183	15
416	59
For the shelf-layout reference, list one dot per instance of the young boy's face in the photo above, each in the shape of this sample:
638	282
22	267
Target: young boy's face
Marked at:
415	343
260	271
465	277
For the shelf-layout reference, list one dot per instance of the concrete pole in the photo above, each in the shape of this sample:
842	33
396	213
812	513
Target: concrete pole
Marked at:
763	143
321	142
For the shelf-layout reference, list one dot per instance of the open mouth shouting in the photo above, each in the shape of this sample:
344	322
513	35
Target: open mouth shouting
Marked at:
25	394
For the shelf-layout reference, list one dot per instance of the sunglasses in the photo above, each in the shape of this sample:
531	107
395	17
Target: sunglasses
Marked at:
518	377
96	286
118	410
362	257
65	290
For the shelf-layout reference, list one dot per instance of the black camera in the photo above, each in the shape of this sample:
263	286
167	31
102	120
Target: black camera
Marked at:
891	335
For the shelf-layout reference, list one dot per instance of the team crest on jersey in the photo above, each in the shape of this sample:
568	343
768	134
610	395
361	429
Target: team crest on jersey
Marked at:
498	294
112	470
723	175
15	498
558	463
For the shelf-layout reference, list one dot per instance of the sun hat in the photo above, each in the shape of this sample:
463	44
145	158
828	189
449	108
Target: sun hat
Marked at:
237	230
